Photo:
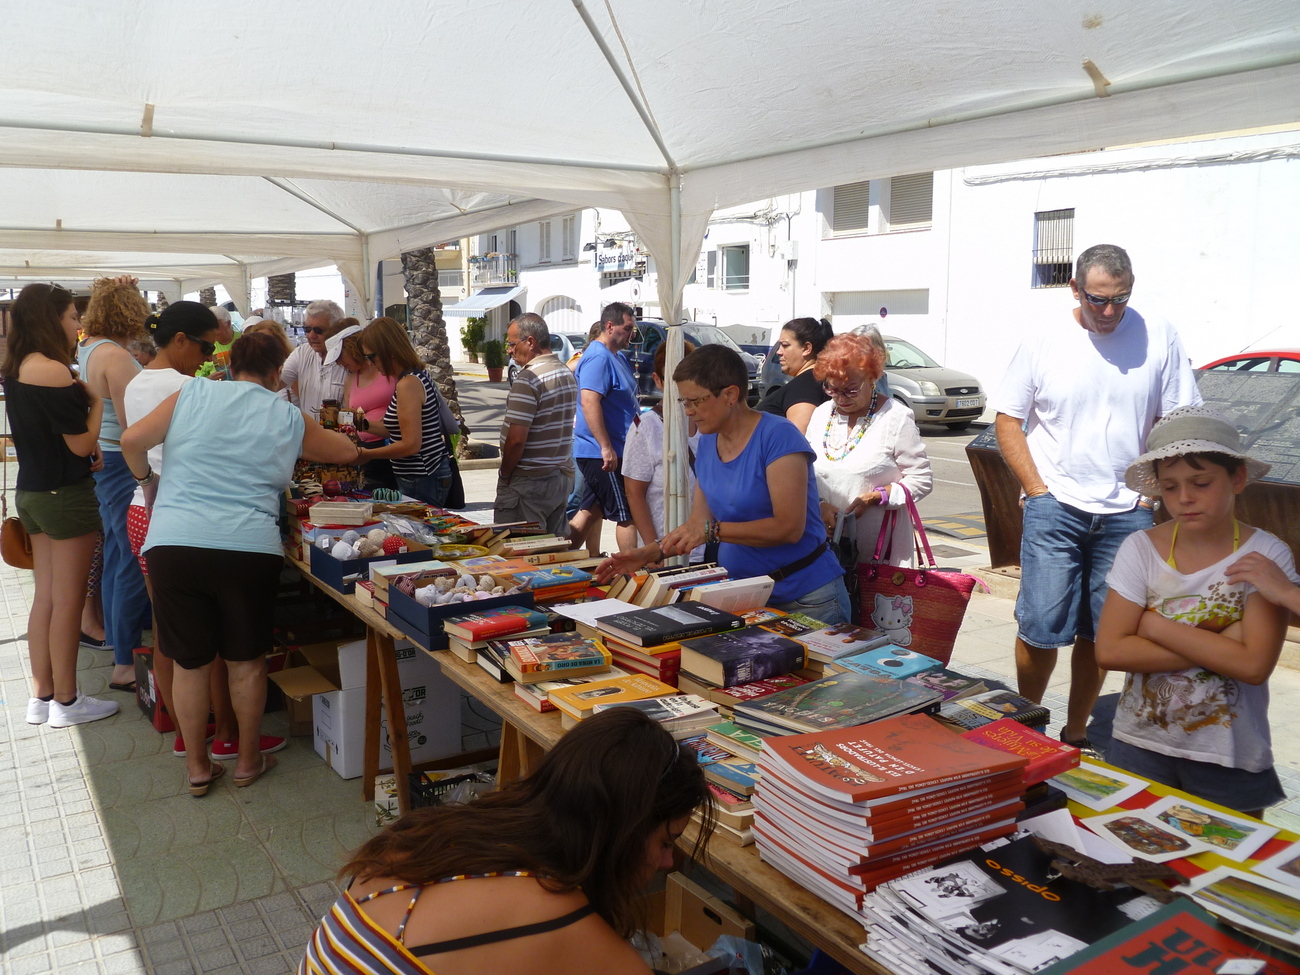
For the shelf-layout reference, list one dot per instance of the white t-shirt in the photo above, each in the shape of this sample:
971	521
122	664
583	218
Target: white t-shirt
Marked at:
142	396
1194	713
1090	400
890	452
316	381
643	460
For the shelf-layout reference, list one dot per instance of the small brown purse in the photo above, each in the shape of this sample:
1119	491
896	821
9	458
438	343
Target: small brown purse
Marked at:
15	544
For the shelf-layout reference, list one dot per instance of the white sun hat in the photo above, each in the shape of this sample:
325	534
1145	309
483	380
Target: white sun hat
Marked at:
1189	430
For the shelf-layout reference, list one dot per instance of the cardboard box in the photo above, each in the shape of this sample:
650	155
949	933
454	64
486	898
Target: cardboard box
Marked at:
343	576
424	623
317	668
431	703
700	917
146	692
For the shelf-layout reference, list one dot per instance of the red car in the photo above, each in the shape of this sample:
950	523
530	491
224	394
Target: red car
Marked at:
1258	360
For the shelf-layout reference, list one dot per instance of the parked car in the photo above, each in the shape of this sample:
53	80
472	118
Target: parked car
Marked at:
650	332
1258	360
561	345
933	393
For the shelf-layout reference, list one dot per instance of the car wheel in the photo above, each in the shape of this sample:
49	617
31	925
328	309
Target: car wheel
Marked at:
511	373
959	426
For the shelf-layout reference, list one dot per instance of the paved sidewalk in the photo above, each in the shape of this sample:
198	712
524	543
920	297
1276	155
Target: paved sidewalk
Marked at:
107	864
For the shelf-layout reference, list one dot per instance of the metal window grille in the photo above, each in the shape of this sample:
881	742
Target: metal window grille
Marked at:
851	208
1053	248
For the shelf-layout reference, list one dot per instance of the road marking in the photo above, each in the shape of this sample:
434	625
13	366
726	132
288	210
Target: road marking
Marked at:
959	483
950	460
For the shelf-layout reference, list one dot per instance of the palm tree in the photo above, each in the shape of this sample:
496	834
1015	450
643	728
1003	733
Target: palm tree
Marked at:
281	289
207	296
428	329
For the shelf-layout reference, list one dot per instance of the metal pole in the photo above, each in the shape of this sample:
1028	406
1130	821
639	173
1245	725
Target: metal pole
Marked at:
676	502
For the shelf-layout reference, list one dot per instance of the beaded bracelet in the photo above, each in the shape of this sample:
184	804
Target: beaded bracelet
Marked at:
712	531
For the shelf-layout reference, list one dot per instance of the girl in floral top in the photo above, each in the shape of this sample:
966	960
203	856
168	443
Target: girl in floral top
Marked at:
1198	648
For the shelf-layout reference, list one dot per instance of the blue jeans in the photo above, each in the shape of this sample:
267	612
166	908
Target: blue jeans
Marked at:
126	601
431	488
1065	556
828	603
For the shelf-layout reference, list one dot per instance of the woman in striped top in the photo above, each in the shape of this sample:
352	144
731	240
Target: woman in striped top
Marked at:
417	418
540	877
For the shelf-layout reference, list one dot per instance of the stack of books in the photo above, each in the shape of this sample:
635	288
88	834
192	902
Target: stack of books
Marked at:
1047	757
540	658
579	703
533	545
830	643
683	715
662	662
467	634
667	624
733	595
548	584
660	587
728	697
740	656
537	695
980	709
839	701
842	811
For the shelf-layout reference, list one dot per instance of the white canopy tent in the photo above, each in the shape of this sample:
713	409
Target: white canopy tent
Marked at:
217	141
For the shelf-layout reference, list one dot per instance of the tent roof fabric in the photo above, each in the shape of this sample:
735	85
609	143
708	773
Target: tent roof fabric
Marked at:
146	127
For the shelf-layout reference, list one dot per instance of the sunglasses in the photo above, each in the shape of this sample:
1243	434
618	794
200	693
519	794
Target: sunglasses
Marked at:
314	330
835	391
207	348
1101	302
370	356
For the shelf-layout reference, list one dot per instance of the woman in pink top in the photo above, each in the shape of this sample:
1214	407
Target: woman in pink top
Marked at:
368	389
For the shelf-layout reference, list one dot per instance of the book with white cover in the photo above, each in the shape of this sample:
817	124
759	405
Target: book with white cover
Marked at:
734	595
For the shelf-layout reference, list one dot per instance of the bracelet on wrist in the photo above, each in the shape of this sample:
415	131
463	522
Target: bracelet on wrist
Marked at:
148	479
712	531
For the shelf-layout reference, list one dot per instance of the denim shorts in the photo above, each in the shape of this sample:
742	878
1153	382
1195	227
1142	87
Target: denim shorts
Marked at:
828	603
1232	787
1065	555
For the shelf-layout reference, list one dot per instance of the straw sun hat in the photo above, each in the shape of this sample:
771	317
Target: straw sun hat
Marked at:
1189	430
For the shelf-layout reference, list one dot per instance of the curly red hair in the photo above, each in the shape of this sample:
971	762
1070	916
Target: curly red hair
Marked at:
848	358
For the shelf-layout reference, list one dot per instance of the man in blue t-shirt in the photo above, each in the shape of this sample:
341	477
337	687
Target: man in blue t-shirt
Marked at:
607	404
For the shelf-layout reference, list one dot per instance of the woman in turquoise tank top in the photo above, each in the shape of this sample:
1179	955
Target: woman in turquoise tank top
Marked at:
213	547
114	317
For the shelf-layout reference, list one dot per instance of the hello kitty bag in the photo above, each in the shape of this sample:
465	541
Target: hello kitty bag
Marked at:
920	609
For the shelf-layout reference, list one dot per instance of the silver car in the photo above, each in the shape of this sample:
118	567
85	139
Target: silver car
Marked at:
933	393
560	345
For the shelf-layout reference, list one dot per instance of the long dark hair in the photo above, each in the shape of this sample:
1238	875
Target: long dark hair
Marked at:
810	331
37	315
180	317
583	818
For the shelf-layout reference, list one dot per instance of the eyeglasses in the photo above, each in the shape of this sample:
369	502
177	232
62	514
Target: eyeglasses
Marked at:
848	391
370	356
207	348
314	330
1101	302
694	403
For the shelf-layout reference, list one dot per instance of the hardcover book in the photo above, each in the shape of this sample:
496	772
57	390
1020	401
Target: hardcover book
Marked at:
736	740
496	622
580	701
950	684
731	696
665	624
839	701
887	661
741	656
981	709
885	758
492	659
1047	757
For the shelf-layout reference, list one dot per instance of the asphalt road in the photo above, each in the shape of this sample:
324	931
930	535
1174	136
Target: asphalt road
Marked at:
954	493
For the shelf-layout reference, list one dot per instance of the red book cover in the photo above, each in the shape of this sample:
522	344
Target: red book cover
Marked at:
757	688
495	622
884	758
1047	758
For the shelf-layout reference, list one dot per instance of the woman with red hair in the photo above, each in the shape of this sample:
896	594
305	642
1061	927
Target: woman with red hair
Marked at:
868	448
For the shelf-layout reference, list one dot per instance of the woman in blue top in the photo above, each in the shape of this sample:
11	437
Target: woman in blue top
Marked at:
755	494
213	547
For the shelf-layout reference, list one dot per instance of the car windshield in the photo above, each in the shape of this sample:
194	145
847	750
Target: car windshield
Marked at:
904	355
578	342
709	335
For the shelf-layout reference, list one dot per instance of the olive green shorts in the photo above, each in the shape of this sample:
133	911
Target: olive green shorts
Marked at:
69	512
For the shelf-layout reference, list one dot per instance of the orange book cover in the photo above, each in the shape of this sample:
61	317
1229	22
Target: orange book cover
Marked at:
884	758
581	698
1047	757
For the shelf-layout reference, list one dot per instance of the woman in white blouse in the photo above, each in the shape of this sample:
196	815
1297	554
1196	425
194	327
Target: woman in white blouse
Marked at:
867	447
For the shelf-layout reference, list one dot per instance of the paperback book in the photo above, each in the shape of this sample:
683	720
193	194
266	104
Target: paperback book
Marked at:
734	595
839	701
1047	758
981	709
890	660
950	684
666	624
579	702
740	656
498	621
681	714
842	640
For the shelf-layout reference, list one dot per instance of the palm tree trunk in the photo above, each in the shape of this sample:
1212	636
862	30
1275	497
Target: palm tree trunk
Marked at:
281	289
425	323
207	296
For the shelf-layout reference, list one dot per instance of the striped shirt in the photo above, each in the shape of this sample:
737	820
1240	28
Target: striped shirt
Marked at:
433	451
544	398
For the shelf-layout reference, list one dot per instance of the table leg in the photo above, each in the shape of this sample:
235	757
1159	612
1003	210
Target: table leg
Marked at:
395	709
370	750
519	754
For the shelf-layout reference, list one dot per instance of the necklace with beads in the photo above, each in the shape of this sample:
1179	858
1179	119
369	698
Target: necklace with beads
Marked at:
851	440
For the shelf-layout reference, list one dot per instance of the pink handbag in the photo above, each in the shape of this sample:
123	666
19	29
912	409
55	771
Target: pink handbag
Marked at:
920	609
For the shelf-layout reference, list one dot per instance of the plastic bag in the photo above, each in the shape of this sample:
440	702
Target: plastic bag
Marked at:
746	957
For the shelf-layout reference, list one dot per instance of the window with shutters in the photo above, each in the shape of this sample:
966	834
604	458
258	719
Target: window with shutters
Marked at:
513	237
735	267
1053	248
569	238
911	201
711	271
851	208
544	242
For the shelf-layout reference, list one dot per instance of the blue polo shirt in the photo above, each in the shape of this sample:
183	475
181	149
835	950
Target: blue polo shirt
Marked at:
609	374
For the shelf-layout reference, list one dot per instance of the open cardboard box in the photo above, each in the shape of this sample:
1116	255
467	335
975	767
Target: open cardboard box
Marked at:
343	575
684	911
318	668
423	624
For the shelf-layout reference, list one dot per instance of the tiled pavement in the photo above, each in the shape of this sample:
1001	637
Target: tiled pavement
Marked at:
107	864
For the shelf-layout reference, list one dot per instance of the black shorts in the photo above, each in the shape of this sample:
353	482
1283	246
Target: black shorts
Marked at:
604	489
210	602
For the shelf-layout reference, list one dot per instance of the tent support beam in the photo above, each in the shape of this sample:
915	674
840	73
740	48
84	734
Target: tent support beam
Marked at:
677	506
284	184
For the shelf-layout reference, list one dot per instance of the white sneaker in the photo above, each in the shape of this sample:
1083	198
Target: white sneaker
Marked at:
81	711
38	711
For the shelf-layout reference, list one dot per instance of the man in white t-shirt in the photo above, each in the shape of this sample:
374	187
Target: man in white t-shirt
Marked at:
1073	411
308	377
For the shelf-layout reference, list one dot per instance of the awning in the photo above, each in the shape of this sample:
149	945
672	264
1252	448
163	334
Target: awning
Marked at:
484	301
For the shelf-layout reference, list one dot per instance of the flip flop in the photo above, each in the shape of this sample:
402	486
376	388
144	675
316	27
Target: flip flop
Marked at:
216	771
128	686
243	781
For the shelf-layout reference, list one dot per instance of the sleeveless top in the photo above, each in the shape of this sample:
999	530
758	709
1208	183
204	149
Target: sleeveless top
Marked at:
347	941
373	399
110	429
433	451
231	448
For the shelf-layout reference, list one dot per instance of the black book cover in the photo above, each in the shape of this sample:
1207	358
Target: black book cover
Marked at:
741	656
666	624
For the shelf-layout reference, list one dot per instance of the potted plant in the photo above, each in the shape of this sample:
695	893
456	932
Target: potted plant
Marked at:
471	336
494	357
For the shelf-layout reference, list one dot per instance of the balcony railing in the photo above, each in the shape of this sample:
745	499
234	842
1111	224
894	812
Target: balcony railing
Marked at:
451	279
493	269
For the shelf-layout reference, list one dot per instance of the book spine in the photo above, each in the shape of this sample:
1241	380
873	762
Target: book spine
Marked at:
538	666
901	864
